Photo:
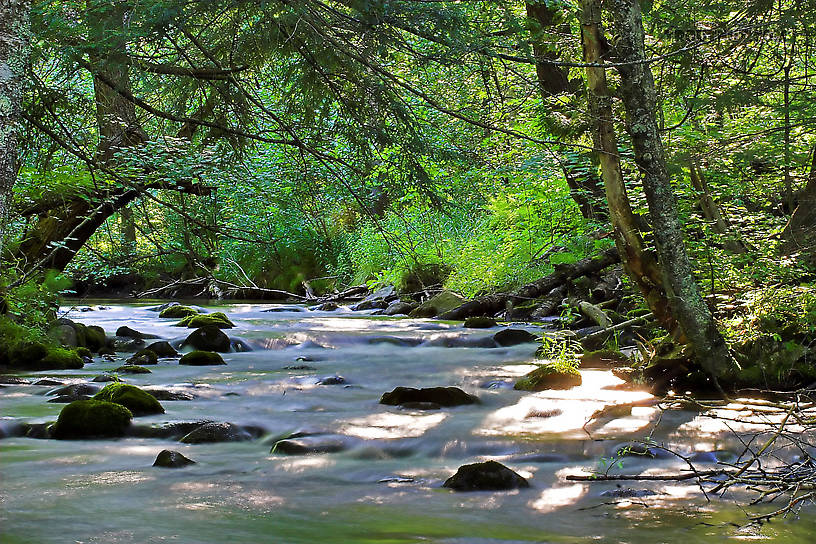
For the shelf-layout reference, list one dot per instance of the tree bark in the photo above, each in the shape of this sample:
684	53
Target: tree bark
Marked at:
640	265
14	47
638	94
711	211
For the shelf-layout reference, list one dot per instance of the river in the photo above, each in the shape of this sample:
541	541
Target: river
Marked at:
385	486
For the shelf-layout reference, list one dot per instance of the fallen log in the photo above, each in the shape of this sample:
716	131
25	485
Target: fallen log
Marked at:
492	304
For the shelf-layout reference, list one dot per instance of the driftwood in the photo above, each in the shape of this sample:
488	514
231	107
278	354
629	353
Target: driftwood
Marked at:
219	289
493	304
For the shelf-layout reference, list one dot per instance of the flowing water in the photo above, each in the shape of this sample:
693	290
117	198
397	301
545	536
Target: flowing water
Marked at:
385	486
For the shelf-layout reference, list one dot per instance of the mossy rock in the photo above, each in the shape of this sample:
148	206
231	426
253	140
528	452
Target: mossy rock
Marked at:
84	352
60	359
162	349
439	304
479	322
208	339
603	358
549	376
92	419
95	338
178	312
216	319
132	369
144	357
201	358
139	402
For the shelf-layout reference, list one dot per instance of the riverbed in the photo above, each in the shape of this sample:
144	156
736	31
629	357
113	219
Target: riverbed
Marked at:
384	486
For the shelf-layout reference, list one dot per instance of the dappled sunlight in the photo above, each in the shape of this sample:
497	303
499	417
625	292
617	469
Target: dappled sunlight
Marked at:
111	478
303	464
566	412
390	425
558	497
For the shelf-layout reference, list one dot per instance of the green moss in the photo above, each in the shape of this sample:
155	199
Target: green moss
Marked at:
95	338
177	312
549	376
83	352
92	418
131	397
82	334
216	319
201	358
144	357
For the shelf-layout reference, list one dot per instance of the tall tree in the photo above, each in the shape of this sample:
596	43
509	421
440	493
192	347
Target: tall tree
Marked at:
14	32
637	91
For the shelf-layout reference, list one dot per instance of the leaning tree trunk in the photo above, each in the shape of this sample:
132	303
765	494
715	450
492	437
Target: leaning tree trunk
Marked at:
14	31
640	101
640	264
800	232
586	189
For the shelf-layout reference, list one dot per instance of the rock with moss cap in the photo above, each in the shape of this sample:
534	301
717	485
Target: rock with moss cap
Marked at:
177	312
513	337
487	476
549	376
139	402
162	349
439	304
201	358
215	319
208	339
95	338
92	419
479	322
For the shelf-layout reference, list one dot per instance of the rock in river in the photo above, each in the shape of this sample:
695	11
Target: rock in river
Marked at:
442	396
487	476
139	402
513	337
201	358
217	432
208	339
172	459
91	419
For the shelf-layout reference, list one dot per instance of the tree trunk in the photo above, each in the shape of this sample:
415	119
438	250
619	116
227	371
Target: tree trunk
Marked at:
711	211
640	100
800	232
586	189
14	36
640	265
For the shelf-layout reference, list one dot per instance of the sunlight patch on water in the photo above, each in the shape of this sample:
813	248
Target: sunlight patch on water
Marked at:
558	497
303	464
389	425
109	478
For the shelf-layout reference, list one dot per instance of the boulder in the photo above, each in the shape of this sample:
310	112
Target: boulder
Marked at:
171	459
127	332
143	357
479	322
95	338
549	376
215	319
399	307
163	307
487	476
332	380
327	307
105	378
217	432
177	311
92	419
75	389
64	335
513	337
164	394
139	402
208	338
439	304
201	358
377	304
162	349
132	369
442	396
65	399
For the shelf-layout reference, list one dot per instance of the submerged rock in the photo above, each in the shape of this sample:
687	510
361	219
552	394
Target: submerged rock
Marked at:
201	358
332	380
327	307
172	459
487	476
162	349
164	394
65	399
91	419
549	376
442	396
125	343
132	369
139	402
208	339
75	389
513	337
217	432
127	332
310	445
